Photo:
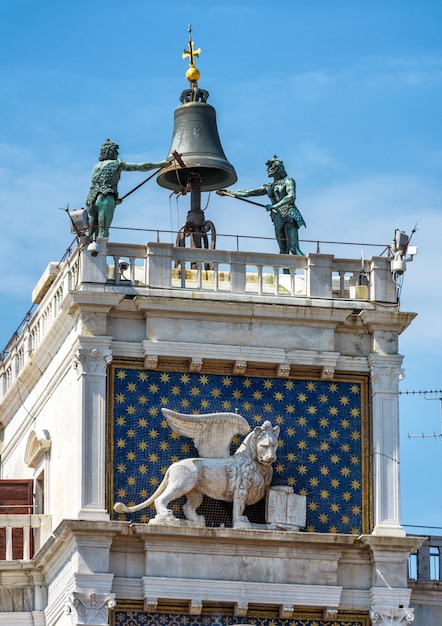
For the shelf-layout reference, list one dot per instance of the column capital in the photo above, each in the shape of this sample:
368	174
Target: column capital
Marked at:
93	359
90	608
386	372
385	617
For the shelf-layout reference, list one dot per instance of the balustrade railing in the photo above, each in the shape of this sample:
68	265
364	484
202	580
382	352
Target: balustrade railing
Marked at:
21	535
155	267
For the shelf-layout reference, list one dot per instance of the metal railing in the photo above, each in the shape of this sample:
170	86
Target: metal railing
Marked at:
426	563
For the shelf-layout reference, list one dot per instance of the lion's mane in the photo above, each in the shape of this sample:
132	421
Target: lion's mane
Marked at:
244	469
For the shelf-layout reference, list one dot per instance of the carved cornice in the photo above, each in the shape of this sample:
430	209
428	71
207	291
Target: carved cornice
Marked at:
91	301
246	355
396	321
283	596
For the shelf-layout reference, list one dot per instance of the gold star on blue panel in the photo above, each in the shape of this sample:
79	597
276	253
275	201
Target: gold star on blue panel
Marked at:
139	618
322	450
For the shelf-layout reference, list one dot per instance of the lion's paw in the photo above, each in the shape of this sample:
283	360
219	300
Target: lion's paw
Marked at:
165	519
242	522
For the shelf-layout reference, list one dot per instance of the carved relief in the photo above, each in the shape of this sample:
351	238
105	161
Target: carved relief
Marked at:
196	365
151	361
90	608
286	611
283	370
392	616
239	369
93	361
330	614
242	478
328	372
37	447
386	379
240	608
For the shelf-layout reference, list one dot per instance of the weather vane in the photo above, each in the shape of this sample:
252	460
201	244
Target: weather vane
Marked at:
192	73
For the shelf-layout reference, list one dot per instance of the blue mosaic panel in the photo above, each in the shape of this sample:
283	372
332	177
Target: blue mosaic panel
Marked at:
138	618
322	440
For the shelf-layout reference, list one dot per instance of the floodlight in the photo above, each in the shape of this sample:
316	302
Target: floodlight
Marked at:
400	241
79	221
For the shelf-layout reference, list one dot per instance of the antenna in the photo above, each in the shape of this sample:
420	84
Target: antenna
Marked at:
427	393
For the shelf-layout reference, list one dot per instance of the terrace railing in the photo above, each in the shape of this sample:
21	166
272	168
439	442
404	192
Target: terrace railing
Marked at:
154	268
21	535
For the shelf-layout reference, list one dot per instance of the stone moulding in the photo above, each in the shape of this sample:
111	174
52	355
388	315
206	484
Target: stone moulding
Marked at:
241	594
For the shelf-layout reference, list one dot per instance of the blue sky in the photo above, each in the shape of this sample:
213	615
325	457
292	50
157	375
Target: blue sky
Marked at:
347	93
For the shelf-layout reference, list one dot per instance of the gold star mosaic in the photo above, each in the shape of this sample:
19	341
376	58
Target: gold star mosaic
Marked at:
139	618
323	449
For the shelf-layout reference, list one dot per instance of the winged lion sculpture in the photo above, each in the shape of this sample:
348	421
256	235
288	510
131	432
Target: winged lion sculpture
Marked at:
241	478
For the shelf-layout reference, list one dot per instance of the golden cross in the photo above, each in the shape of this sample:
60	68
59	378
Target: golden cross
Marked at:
191	52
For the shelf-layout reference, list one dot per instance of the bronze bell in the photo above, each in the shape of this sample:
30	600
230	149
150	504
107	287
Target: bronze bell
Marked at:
196	139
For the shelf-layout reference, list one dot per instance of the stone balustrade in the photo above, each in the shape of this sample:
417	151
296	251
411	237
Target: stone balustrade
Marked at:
35	530
155	268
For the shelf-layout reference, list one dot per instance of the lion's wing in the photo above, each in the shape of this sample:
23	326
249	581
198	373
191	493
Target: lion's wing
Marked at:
212	433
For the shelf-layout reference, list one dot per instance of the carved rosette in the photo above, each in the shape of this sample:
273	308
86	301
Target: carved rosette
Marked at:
93	361
90	609
392	616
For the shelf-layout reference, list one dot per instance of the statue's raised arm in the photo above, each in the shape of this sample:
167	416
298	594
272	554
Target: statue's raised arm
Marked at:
103	193
246	193
286	217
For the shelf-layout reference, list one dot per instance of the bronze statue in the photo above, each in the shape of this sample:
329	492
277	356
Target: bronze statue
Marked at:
103	194
286	217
